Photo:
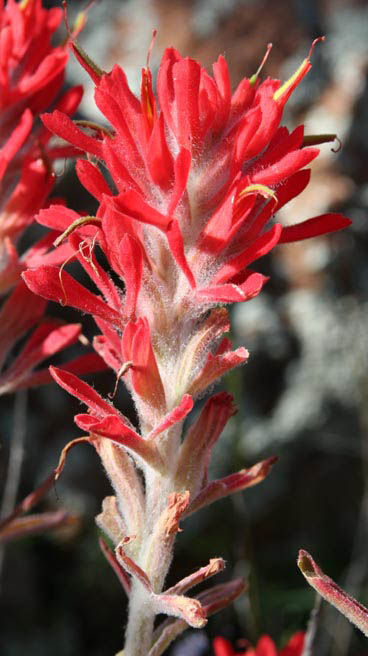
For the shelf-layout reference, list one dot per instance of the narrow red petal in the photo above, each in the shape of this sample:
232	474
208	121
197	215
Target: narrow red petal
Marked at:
319	225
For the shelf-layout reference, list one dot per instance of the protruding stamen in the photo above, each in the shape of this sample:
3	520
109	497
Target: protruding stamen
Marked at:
288	87
254	77
317	40
122	371
154	34
316	139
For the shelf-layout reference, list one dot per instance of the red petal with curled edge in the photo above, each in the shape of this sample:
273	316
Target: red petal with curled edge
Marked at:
61	125
318	225
46	282
173	605
257	249
287	165
84	392
173	417
231	293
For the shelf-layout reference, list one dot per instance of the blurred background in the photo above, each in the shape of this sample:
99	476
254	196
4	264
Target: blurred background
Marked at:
303	395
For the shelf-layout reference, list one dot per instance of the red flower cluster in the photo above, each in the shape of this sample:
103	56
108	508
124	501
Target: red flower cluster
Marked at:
197	174
31	76
265	647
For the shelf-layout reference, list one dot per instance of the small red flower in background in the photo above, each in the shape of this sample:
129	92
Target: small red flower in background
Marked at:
31	76
265	647
32	72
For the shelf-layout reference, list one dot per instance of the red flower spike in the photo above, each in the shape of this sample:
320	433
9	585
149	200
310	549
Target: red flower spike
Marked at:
172	166
198	175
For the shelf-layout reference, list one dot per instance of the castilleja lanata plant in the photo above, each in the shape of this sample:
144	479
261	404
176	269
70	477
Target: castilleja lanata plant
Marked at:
196	176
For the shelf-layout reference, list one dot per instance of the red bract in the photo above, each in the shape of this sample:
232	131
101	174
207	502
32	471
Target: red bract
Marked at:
265	647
